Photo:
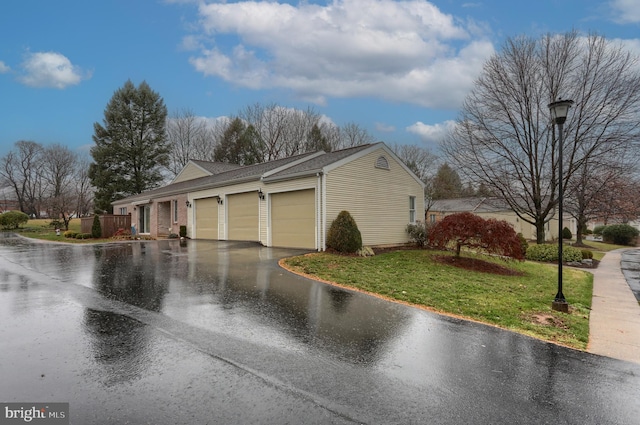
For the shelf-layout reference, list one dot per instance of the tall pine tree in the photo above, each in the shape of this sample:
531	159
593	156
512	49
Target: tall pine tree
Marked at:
130	147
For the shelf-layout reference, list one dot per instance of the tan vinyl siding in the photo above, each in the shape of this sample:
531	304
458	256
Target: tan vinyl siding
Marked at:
377	198
190	172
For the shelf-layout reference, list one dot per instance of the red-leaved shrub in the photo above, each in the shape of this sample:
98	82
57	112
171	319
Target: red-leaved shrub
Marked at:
467	229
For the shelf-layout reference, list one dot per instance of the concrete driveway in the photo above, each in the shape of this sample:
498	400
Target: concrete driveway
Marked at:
215	332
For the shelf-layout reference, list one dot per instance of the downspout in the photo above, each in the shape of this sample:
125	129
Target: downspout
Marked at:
323	211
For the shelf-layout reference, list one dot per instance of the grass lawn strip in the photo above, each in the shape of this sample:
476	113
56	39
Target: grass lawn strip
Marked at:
521	303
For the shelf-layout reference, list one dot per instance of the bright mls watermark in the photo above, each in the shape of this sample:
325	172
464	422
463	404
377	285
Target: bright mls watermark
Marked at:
35	413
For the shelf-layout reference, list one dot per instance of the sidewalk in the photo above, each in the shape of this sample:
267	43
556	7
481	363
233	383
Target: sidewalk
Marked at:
614	323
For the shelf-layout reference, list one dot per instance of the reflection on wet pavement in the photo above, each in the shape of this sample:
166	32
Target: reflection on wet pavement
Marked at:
122	329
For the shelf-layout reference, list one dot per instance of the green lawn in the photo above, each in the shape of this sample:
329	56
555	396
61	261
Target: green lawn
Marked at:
520	303
41	229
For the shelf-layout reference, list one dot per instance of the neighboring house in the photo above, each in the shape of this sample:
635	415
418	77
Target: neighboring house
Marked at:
8	201
633	223
498	209
289	202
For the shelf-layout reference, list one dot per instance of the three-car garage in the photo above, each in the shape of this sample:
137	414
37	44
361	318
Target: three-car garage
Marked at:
292	217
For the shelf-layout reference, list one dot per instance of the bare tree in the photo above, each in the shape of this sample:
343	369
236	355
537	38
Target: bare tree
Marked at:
331	133
281	131
58	170
21	168
83	188
422	162
351	134
617	201
190	137
504	138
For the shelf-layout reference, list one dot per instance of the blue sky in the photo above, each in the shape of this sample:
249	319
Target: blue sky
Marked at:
400	69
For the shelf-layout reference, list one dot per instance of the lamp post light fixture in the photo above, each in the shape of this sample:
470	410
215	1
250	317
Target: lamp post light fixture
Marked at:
559	111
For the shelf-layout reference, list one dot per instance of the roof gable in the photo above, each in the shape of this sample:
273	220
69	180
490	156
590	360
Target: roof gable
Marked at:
198	168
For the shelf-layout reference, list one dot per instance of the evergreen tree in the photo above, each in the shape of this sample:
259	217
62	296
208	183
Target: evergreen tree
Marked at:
316	141
130	147
96	227
240	144
447	183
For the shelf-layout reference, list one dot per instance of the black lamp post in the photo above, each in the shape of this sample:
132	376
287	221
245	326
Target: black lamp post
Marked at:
559	111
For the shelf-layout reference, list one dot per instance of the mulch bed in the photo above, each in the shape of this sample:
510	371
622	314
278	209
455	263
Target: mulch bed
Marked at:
477	265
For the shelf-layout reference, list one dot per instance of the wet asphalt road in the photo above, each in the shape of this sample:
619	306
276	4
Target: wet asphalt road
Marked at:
630	264
217	333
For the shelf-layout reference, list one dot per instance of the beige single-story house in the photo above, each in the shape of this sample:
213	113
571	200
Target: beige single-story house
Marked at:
497	209
288	202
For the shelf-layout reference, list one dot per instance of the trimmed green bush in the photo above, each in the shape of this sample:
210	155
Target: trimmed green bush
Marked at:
83	236
343	234
417	233
597	231
70	234
13	219
566	233
586	254
549	253
620	234
96	227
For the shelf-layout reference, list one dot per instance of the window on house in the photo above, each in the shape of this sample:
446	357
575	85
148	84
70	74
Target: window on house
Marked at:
432	218
123	211
382	162
412	209
175	211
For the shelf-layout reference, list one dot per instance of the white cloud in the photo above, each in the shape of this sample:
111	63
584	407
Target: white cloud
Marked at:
384	128
4	68
431	133
626	11
633	45
50	69
405	51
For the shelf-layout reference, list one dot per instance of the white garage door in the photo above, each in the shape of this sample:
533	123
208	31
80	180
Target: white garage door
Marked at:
207	218
242	217
293	219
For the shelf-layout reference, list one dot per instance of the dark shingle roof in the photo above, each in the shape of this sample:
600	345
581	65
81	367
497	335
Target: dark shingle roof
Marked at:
215	167
473	204
317	163
236	175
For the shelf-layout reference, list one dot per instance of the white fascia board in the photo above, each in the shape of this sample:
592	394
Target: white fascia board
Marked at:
293	176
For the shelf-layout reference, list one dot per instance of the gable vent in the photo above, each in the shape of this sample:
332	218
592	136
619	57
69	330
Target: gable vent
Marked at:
382	162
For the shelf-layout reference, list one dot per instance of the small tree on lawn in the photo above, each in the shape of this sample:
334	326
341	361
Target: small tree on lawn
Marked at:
467	229
13	219
96	228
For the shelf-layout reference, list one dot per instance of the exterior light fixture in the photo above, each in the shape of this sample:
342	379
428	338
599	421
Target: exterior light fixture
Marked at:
559	111
220	201
260	194
188	204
